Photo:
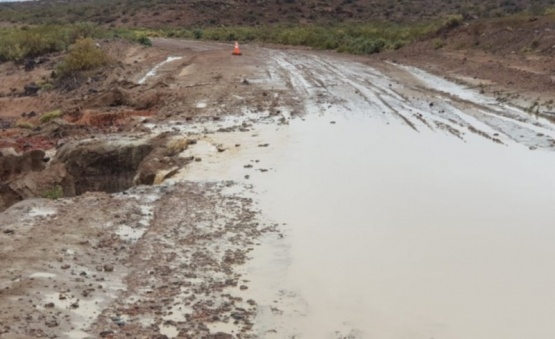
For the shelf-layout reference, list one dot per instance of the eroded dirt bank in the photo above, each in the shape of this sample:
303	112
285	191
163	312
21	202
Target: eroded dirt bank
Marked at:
294	204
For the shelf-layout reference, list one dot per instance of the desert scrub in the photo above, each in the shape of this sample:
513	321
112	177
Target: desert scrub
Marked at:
19	43
353	38
54	193
24	124
84	55
46	117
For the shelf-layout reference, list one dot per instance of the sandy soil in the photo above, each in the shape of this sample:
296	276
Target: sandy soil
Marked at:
169	260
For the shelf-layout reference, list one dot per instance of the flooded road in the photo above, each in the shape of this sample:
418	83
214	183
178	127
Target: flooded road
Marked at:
323	196
398	232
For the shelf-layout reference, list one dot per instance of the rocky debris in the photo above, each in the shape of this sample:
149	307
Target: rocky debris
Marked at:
30	89
109	165
104	165
15	173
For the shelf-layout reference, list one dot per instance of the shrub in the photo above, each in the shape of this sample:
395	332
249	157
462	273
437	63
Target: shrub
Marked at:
17	44
84	55
452	21
438	43
46	117
144	40
197	33
24	124
54	193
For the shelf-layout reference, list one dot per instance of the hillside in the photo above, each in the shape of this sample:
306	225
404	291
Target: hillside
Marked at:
158	13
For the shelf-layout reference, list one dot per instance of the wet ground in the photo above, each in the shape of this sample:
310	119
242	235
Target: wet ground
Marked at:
363	202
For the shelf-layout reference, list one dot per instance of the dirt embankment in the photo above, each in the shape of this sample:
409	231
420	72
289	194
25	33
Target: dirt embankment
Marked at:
512	59
146	86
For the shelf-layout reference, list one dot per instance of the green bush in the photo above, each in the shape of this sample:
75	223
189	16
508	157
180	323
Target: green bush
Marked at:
24	124
144	40
54	193
197	33
84	55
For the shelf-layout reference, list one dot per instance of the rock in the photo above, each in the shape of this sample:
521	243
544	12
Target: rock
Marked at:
29	65
106	334
103	165
49	305
31	89
51	323
65	266
243	287
108	268
238	316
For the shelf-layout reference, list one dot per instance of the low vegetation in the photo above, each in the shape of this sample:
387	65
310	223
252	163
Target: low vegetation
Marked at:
19	43
349	38
84	55
54	193
46	117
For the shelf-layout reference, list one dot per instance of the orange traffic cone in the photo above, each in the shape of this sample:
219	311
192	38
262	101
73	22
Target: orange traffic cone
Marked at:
236	51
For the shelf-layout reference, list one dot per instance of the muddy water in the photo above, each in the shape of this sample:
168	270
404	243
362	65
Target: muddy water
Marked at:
398	234
392	233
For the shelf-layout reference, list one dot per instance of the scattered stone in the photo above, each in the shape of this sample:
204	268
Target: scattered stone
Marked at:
332	122
31	89
49	305
198	159
263	145
246	82
243	287
248	166
51	323
65	266
108	268
105	334
9	231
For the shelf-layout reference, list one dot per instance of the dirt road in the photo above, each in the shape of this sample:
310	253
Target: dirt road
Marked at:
327	197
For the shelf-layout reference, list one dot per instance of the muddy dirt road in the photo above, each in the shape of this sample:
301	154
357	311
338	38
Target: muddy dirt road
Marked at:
327	197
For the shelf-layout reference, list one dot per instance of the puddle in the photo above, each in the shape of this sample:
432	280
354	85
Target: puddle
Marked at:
41	212
397	234
152	72
169	330
130	234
